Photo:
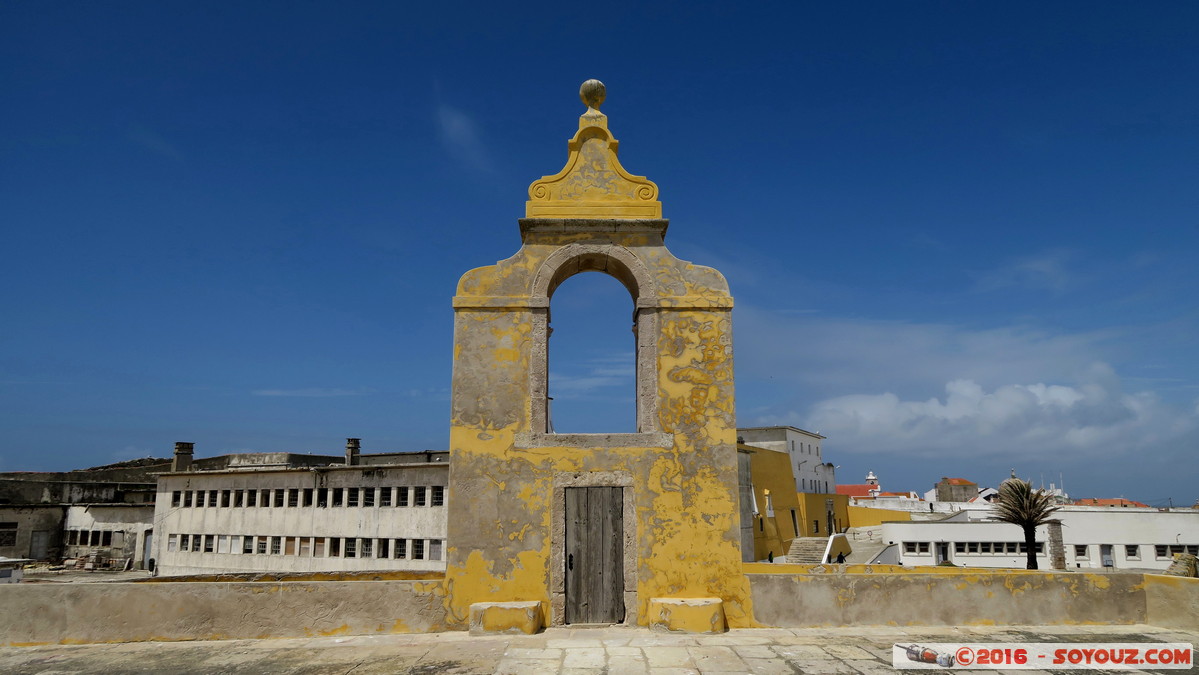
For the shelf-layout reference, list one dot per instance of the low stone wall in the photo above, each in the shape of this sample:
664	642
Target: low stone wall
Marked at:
1172	602
978	598
134	612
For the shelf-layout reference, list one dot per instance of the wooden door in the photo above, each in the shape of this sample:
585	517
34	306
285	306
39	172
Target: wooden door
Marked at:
594	555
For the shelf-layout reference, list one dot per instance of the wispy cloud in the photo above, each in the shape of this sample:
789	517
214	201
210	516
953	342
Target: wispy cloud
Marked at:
153	142
601	372
312	392
461	138
1043	271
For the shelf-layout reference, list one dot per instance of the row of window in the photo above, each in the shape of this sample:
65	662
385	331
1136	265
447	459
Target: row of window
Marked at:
979	547
95	538
8	533
419	495
307	547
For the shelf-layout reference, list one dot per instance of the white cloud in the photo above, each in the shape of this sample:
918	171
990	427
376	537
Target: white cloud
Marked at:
461	138
311	392
1044	271
1094	416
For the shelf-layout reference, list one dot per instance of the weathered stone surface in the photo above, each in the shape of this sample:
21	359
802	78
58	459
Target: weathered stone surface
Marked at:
505	617
1007	597
129	612
687	615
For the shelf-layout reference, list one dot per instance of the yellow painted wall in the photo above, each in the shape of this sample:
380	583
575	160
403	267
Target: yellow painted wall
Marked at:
813	509
771	471
862	516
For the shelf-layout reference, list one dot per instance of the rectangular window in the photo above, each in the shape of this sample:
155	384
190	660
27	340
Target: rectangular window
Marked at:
322	498
212	498
438	497
289	546
276	545
318	547
972	547
959	547
251	497
209	542
351	547
1023	547
402	496
351	496
334	547
305	547
368	496
72	538
367	548
381	548
434	549
184	542
222	544
794	522
385	496
200	498
418	495
225	495
922	547
176	498
1039	548
1132	551
187	498
984	547
401	548
816	526
1080	551
293	497
173	543
307	496
418	549
1010	546
909	547
239	498
280	497
247	544
1193	549
262	546
336	501
265	498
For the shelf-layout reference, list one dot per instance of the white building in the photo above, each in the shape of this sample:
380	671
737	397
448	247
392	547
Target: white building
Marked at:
114	535
1093	538
276	512
812	473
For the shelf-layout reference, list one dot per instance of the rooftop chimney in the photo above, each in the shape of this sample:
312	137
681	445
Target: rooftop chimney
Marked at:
183	457
353	445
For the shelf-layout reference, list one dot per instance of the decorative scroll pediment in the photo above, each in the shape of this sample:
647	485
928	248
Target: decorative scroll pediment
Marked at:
593	184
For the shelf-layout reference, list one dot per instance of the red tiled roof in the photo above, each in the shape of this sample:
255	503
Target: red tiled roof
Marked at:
958	481
1103	501
860	490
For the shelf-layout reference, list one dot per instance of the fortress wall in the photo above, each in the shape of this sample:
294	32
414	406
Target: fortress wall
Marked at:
136	612
975	598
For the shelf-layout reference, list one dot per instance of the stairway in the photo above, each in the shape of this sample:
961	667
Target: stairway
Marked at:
807	550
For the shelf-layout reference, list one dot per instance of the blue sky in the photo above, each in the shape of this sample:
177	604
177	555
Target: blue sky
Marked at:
961	236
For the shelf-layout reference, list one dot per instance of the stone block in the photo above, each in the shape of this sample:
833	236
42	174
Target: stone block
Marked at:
687	615
506	617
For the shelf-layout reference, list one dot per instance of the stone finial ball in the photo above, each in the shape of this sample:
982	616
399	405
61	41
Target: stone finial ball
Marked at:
592	92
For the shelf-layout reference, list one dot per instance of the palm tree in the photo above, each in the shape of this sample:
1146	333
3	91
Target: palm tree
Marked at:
1019	504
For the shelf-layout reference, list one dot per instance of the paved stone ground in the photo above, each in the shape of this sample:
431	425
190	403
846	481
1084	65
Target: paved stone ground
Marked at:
613	650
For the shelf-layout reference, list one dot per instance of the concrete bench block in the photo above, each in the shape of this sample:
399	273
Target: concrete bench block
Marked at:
506	617
687	615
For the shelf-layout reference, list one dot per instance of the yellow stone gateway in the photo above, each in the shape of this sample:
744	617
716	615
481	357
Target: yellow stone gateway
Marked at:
593	184
595	528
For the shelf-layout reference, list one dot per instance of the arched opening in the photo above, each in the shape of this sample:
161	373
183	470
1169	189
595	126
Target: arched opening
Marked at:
592	356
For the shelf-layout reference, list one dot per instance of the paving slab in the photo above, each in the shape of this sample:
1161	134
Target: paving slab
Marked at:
610	651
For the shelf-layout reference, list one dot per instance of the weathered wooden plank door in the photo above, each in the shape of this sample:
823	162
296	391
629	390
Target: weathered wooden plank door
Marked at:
594	555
